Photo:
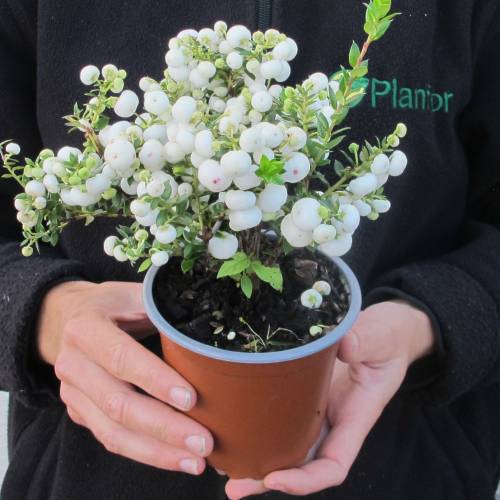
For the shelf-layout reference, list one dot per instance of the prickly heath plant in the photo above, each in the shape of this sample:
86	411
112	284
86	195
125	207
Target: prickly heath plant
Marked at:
221	154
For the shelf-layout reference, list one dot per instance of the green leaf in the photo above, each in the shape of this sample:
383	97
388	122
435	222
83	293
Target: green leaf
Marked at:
382	7
339	168
270	170
271	275
233	267
323	125
187	265
146	264
335	142
354	54
101	123
382	28
246	286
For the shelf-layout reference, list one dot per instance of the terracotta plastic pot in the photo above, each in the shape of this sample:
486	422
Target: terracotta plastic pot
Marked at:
265	410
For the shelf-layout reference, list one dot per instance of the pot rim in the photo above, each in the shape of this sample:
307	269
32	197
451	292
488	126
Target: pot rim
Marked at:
330	338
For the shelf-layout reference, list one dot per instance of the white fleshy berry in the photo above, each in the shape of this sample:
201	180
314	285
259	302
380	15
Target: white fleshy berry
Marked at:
311	299
251	140
337	247
262	101
152	155
272	198
120	155
235	163
160	258
295	236
203	143
363	185
240	200
234	60
127	103
166	235
89	74
305	214
323	287
109	245
223	246
350	218
212	176
239	220
399	161
381	206
380	164
156	102
296	168
35	189
183	109
237	35
185	189
12	148
324	233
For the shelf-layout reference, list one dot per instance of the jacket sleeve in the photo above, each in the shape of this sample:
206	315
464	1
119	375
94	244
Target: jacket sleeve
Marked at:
461	290
23	281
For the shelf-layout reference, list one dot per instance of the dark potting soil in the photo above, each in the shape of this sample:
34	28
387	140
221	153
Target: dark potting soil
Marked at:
207	309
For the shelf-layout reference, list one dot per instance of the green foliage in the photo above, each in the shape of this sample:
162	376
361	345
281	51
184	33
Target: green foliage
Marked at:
270	171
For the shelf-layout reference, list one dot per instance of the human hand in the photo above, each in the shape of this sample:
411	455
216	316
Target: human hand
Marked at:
82	332
373	361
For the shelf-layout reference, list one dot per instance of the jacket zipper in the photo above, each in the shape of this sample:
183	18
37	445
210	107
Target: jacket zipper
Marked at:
264	14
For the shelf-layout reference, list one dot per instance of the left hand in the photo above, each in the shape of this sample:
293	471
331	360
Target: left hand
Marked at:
374	358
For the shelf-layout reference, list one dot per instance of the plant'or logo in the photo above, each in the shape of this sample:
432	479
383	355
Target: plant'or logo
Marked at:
221	154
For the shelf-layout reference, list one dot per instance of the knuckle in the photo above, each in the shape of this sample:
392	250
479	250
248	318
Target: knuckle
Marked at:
151	378
62	367
118	357
73	330
161	431
114	405
110	440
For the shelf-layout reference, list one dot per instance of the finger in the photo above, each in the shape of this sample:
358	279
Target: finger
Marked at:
76	417
116	439
134	411
371	340
240	488
124	358
351	425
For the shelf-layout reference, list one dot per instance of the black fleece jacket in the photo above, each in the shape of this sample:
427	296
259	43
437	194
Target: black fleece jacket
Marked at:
436	70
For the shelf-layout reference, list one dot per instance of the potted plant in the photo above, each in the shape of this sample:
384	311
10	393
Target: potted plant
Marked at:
225	179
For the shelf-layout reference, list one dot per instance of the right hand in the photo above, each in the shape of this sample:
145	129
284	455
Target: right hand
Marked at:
82	332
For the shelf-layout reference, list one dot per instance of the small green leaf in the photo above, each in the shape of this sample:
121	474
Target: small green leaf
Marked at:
354	54
270	170
233	267
335	142
146	264
271	275
339	168
187	265
382	28
246	286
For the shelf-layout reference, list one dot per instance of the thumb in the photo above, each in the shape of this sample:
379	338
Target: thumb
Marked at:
125	301
372	338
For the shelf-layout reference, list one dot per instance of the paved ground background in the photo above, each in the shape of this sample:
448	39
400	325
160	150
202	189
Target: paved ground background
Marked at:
3	437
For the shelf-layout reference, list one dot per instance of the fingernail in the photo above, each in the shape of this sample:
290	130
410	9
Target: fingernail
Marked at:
181	398
189	465
221	472
197	444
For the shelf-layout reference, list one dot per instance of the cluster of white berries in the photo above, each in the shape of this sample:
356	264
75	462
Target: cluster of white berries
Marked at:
313	297
200	141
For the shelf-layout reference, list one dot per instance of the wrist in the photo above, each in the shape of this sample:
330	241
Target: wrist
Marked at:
56	307
420	331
